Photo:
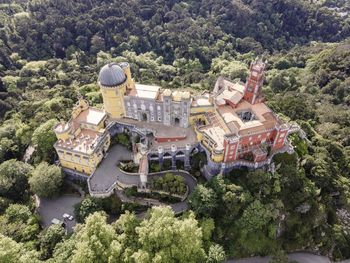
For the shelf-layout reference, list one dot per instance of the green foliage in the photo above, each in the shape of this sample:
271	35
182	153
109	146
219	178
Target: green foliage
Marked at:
216	254
11	251
161	237
166	238
203	200
88	206
44	138
49	238
46	180
14	180
111	205
123	139
20	224
174	184
187	44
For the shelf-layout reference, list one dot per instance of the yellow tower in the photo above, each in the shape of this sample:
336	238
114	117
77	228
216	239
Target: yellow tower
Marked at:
126	67
113	83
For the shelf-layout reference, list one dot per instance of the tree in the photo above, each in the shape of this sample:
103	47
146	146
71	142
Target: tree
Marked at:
49	238
46	180
19	223
164	238
216	254
14	179
11	251
44	138
203	200
86	207
96	241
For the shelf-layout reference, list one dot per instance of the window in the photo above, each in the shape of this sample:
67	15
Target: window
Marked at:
250	138
128	103
159	118
158	107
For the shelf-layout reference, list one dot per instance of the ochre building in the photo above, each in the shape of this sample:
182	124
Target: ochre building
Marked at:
231	124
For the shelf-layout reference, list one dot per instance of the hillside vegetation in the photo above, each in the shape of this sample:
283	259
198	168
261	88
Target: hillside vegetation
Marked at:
52	50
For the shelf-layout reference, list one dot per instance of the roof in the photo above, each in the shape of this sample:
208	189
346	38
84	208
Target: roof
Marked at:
145	91
264	117
111	75
84	142
91	116
229	92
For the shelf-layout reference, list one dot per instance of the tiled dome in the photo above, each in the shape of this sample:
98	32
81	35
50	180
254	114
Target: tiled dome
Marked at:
111	75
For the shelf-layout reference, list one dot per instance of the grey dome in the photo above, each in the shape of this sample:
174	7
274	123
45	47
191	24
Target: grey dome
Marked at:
111	75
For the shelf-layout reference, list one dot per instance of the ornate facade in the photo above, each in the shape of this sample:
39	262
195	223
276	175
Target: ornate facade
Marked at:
231	124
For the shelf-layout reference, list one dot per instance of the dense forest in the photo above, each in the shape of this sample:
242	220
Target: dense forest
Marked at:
51	51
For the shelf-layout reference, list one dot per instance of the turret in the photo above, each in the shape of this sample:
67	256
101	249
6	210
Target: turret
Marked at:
126	68
252	92
113	82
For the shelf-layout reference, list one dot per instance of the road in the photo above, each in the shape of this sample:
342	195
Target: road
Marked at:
300	257
107	173
190	181
56	207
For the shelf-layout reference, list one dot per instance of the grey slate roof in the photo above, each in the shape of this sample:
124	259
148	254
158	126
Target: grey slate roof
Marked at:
111	75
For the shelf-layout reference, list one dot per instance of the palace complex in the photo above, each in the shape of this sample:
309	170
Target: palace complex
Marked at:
231	124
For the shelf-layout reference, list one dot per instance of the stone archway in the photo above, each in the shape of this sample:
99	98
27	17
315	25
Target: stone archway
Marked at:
177	121
144	117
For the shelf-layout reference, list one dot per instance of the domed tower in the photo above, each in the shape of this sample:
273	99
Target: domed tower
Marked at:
113	82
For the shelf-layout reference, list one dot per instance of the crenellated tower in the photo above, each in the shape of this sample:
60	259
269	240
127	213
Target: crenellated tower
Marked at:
252	92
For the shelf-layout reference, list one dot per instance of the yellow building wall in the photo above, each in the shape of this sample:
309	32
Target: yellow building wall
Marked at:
77	167
69	159
195	110
113	100
62	136
217	157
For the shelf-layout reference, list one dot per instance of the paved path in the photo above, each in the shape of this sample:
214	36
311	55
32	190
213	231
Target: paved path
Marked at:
300	257
190	181
55	208
107	173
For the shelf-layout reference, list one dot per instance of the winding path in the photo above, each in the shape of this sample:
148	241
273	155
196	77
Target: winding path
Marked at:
108	176
301	257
